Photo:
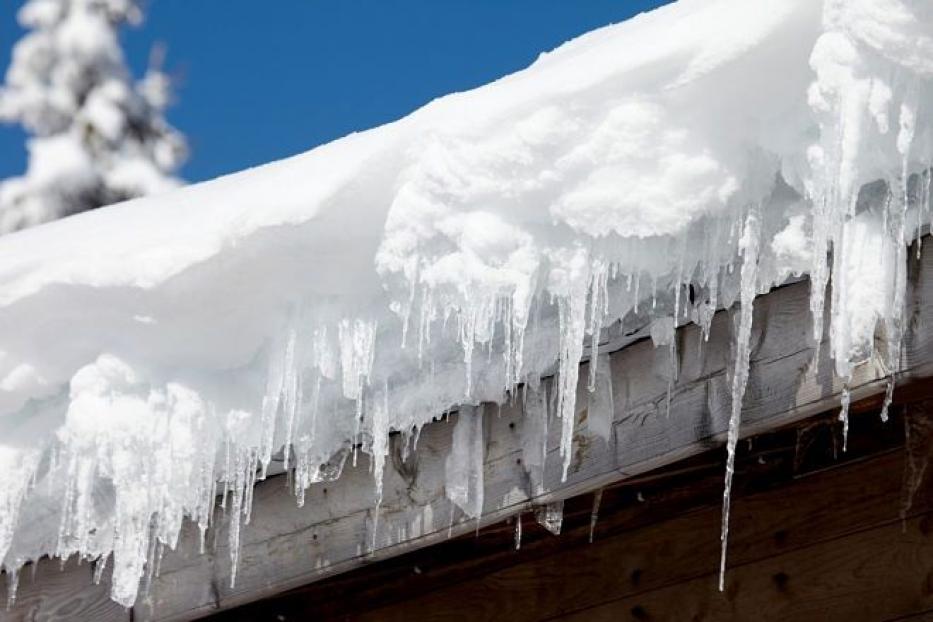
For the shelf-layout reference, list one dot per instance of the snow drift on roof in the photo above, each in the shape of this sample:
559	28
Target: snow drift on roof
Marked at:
159	352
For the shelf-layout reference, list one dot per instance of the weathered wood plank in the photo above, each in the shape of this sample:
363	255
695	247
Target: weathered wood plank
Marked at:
810	511
286	546
653	531
878	574
924	616
55	593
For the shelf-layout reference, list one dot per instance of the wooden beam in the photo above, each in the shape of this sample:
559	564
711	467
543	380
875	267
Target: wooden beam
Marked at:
830	535
285	546
877	574
795	489
50	590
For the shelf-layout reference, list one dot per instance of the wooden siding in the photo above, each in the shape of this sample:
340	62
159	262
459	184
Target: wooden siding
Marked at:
816	535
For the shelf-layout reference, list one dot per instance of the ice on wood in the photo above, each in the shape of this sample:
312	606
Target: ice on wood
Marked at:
551	516
463	479
534	435
301	311
600	407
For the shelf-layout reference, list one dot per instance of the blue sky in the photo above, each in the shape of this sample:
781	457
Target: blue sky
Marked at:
255	85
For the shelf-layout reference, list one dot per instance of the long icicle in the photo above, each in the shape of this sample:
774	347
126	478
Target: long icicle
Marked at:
748	246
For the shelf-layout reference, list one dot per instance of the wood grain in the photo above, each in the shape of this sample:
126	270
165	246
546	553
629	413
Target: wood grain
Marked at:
55	593
877	574
682	553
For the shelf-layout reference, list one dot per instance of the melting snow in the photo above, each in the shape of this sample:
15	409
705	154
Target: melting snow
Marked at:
162	352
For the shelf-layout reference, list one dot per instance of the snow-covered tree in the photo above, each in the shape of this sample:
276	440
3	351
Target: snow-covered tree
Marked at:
96	136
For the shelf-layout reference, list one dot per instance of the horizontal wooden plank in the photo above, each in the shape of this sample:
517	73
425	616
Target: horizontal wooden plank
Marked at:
814	509
924	616
285	546
878	574
48	591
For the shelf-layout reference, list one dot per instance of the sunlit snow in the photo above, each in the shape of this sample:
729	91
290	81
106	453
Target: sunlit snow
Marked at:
453	258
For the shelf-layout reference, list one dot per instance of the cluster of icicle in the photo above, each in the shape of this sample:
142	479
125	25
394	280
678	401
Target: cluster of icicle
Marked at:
336	386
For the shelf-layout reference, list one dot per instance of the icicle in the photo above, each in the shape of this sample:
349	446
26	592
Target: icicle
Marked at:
571	308
293	395
918	232
664	333
749	246
598	308
357	350
227	470
844	416
594	513
888	398
270	405
672	376
464	466
380	442
637	295
895	324
678	283
150	563
927	199
475	325
705	313
375	530
551	516
521	313
12	585
534	436
158	560
241	497
379	451
518	531
404	309
250	486
600	407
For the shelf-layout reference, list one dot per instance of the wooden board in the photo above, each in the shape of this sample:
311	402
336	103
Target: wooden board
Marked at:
286	546
832	524
878	574
680	554
48	591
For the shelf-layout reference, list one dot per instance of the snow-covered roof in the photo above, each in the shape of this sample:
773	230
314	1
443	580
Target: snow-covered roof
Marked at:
648	172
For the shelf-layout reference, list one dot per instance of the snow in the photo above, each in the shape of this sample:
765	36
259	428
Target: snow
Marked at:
453	258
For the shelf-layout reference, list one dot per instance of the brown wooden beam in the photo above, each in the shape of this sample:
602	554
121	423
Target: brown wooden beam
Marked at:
808	521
